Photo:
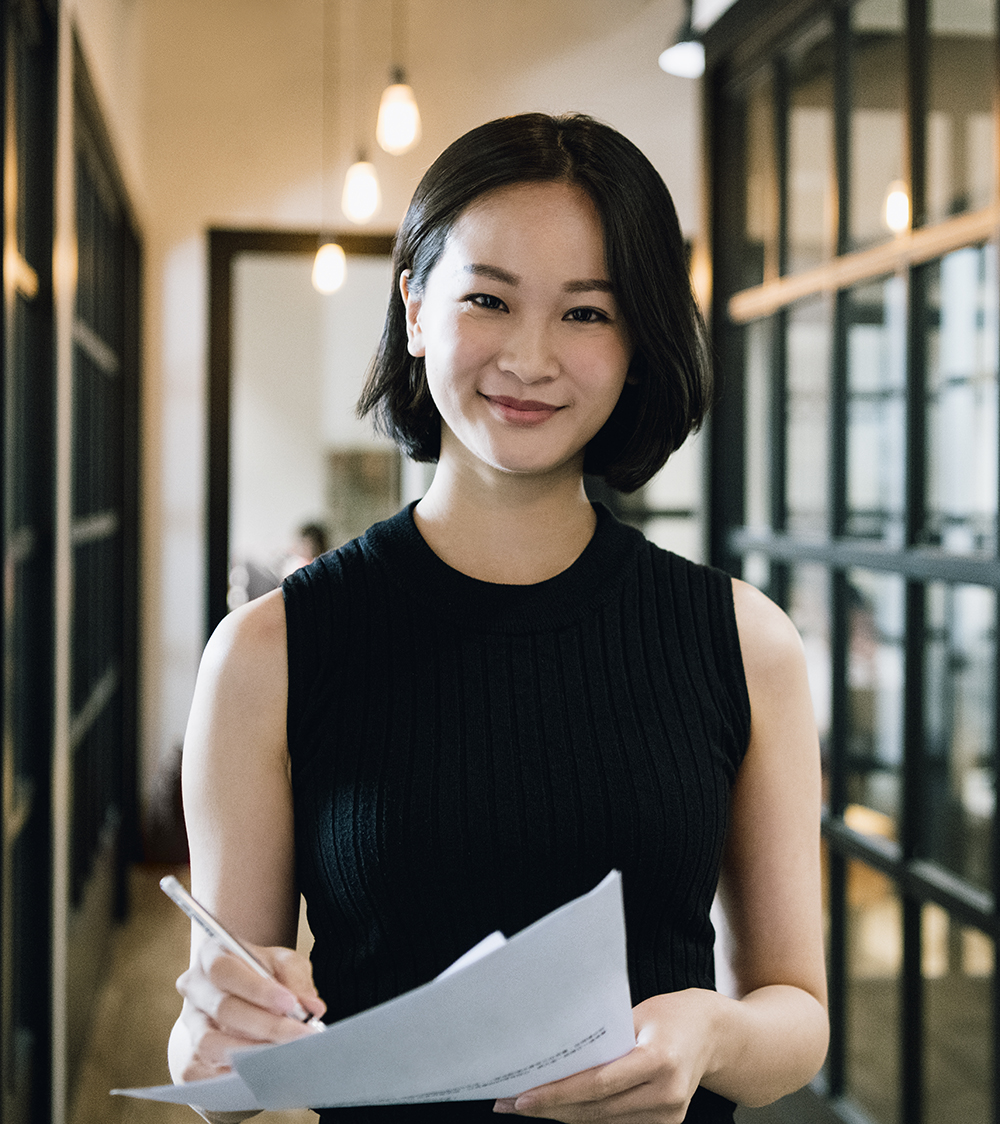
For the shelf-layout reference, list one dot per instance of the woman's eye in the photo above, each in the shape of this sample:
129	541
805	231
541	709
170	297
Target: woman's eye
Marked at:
486	300
586	315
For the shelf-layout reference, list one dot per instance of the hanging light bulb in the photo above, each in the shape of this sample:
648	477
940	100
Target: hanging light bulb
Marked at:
329	268
398	127
685	58
330	265
361	195
897	207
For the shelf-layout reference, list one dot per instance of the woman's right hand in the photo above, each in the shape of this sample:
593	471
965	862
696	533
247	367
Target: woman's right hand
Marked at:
227	1006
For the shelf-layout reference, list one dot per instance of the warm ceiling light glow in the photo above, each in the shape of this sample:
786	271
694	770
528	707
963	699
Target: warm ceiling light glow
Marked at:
361	195
897	208
329	268
684	60
398	128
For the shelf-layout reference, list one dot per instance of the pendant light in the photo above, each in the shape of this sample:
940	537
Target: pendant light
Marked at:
897	207
398	127
361	194
330	268
361	197
330	265
685	58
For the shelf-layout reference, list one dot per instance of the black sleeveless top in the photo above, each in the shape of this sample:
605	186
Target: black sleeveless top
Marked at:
468	756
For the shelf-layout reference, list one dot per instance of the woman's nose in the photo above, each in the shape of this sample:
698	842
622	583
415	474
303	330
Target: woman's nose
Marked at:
528	353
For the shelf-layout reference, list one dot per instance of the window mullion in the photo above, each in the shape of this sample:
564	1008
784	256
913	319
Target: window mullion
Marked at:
912	1037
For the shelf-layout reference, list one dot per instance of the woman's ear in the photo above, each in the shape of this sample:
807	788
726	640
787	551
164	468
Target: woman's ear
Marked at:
414	335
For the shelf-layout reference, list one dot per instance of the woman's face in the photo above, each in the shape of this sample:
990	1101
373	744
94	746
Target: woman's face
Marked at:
525	349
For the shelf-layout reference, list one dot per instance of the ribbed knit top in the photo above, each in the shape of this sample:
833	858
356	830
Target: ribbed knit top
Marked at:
467	756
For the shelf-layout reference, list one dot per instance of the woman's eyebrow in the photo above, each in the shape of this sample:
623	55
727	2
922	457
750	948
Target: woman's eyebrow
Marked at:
591	285
495	273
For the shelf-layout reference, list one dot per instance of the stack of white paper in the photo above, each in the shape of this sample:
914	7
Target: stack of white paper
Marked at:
507	1016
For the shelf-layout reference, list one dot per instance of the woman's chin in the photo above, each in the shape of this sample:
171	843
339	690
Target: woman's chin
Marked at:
525	453
542	469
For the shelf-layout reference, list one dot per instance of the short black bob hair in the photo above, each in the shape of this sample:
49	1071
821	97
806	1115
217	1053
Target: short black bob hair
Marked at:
670	379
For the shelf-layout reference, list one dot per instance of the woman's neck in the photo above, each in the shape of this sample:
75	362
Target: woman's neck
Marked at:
506	528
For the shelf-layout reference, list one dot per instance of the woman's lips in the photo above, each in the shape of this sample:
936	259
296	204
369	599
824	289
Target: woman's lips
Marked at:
521	411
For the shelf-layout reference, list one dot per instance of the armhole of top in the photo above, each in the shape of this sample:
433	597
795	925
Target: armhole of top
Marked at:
737	684
298	595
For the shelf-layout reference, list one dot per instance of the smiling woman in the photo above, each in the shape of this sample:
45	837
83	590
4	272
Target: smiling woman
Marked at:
525	371
642	265
466	717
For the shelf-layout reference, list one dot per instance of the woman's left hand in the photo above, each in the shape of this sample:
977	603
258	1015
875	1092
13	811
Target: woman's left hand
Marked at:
652	1084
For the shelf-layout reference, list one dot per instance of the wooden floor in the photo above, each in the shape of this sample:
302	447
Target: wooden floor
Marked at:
137	1007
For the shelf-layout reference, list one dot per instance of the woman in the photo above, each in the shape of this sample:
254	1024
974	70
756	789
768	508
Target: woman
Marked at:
467	717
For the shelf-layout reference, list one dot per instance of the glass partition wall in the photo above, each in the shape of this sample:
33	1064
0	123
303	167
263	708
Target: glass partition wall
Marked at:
854	477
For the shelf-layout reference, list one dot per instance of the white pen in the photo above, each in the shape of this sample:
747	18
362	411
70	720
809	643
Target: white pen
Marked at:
197	912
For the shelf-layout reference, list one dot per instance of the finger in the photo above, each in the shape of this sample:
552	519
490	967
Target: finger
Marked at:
211	1048
628	1091
635	1106
295	972
595	1084
227	973
236	1016
292	971
621	1108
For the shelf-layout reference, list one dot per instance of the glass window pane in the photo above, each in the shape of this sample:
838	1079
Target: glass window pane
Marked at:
877	118
961	136
679	534
874	956
667	509
812	194
808	402
963	342
875	701
757	569
960	686
958	982
762	183
759	374
876	409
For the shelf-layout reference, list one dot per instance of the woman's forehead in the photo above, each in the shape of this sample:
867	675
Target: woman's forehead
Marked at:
528	226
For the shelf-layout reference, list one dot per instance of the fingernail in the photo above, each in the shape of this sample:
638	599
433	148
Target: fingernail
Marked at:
505	1104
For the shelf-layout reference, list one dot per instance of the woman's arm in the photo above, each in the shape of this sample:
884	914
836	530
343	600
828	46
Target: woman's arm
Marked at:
772	1039
238	811
771	883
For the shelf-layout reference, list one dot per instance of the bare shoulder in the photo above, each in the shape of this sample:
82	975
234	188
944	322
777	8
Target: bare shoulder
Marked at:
769	642
241	696
250	641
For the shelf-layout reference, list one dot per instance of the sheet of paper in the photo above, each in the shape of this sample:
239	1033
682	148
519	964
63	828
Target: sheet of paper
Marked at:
552	1000
228	1093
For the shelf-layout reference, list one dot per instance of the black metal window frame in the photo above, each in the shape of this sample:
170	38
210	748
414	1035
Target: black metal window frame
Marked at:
750	36
104	494
27	377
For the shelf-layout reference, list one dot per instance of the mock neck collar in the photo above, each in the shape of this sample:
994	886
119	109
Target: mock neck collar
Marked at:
433	586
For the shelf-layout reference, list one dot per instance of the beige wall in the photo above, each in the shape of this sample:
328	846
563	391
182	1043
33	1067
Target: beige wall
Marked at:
215	109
